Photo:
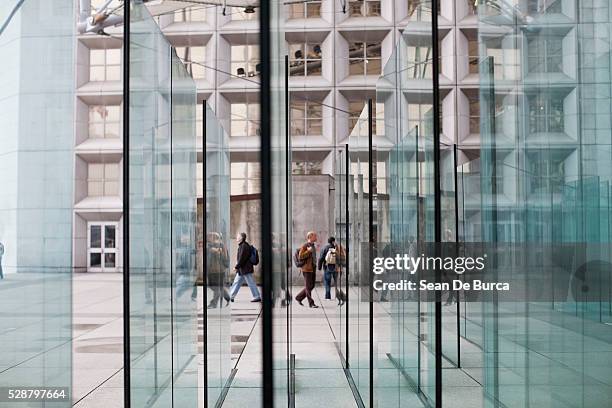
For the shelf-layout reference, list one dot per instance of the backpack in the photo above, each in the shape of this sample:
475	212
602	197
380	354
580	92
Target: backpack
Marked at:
296	259
254	259
330	257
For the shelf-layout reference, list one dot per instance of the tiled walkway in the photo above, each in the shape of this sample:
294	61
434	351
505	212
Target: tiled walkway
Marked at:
97	340
319	378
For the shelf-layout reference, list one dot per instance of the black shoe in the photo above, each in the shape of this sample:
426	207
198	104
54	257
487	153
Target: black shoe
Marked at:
232	300
314	306
227	303
256	300
211	306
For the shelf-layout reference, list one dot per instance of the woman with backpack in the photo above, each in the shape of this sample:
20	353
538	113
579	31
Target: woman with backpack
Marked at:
245	259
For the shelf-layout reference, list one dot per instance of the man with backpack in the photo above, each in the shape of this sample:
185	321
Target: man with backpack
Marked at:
247	257
327	261
305	258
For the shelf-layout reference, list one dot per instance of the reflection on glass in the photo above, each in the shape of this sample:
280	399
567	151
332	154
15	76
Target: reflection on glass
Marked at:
163	318
109	260
96	236
109	236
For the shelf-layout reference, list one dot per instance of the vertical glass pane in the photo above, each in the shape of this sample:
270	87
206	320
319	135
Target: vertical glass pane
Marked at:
184	240
542	145
37	122
162	220
281	211
218	244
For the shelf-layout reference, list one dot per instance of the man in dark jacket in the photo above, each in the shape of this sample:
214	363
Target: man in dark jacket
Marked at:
244	269
329	270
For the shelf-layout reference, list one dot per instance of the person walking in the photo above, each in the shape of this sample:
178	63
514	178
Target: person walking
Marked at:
340	264
1	254
244	269
217	261
307	256
328	261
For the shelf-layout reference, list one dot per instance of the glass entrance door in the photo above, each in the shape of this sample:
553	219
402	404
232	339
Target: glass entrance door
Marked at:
102	247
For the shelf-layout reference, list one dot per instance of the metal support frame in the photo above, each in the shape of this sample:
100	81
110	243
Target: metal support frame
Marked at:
126	208
347	166
265	98
204	258
371	241
435	5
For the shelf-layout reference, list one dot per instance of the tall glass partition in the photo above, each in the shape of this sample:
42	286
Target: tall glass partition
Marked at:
405	324
162	241
184	235
281	210
545	89
218	359
358	360
37	120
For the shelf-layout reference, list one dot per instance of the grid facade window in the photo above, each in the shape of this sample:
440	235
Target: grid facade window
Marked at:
306	167
199	123
421	115
245	60
103	179
306	118
419	62
362	168
548	173
506	62
244	119
105	64
545	54
190	14
365	59
360	121
104	121
545	113
311	9
194	59
306	59
544	6
474	115
419	10
365	8
245	178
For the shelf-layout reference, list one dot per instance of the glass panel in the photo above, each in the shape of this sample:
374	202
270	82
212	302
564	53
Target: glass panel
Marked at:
184	240
109	260
218	263
96	236
109	236
37	105
404	327
95	260
544	180
162	316
281	212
